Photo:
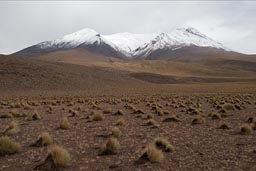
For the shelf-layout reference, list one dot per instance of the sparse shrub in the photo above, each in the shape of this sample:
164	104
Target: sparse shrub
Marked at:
12	129
116	132
57	157
166	112
163	144
152	154
151	122
216	116
119	112
111	147
43	140
34	116
198	120
120	122
107	111
64	124
251	120
172	119
246	129
228	106
194	111
7	115
224	126
139	111
150	116
8	146
97	117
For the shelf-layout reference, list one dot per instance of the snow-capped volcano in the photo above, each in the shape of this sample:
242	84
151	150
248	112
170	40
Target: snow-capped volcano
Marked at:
125	45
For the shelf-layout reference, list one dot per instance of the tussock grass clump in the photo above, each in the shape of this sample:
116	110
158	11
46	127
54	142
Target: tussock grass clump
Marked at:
119	112
107	111
246	129
152	154
139	111
12	129
150	116
116	132
228	106
97	117
64	124
163	144
216	116
194	111
8	146
224	126
7	115
120	122
151	122
58	157
34	116
111	147
198	120
172	119
43	140
251	120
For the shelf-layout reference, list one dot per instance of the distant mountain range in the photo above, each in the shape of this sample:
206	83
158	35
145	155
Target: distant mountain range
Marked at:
178	42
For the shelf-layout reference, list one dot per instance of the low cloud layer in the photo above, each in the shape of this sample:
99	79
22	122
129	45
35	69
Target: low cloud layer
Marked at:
27	23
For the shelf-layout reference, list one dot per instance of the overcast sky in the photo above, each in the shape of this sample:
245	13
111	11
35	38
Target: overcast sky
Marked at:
26	23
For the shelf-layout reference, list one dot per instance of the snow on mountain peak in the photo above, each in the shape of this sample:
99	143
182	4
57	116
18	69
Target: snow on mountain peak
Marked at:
134	45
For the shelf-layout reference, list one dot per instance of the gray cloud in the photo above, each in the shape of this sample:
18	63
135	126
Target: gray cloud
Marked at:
27	23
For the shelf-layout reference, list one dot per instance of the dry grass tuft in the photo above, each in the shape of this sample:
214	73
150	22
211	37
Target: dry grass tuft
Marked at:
119	112
151	122
246	129
64	124
120	122
43	140
172	119
111	147
153	154
198	120
116	132
97	117
7	146
12	129
228	106
224	126
164	144
60	156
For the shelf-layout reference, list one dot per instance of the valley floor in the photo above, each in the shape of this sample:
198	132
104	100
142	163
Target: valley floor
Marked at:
202	146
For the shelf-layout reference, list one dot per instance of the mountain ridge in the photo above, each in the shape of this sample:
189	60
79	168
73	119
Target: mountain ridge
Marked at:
125	45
